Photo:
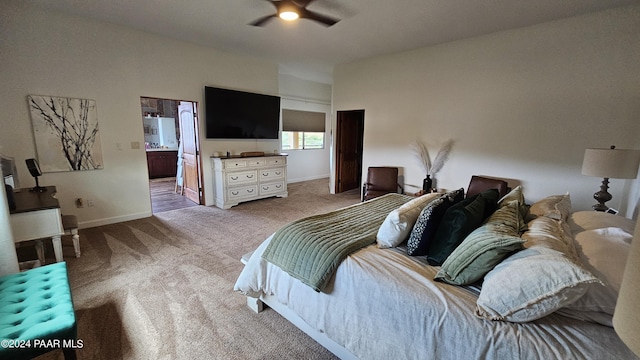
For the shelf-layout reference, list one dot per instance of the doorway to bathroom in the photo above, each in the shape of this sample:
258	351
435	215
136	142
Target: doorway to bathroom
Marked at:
173	162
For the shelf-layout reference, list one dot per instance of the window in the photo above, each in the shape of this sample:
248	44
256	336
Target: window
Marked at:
292	140
302	130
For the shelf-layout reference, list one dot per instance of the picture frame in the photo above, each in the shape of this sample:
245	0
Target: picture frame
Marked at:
66	133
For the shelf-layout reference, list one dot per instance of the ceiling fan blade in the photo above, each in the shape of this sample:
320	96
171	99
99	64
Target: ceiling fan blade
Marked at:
263	20
303	3
323	19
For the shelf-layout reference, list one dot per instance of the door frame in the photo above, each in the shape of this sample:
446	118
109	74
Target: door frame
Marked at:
340	147
197	140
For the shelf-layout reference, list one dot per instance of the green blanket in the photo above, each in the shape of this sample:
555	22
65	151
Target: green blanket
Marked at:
311	249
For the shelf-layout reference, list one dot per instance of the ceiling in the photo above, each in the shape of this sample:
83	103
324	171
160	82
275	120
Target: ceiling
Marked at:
368	27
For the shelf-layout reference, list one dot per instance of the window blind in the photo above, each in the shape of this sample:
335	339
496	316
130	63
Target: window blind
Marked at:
297	120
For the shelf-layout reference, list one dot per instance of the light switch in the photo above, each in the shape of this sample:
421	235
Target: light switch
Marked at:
135	145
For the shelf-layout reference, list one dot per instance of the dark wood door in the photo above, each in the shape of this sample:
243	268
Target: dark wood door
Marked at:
192	181
349	143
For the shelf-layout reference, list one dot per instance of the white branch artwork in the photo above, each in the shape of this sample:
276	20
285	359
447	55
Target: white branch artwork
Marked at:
66	133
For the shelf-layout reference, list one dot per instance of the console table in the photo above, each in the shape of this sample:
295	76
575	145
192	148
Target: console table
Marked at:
238	179
37	216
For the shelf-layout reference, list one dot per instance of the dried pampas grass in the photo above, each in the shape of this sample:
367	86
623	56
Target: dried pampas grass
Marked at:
422	155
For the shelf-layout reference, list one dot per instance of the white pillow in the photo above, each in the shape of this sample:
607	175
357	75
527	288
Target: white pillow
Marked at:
398	224
531	284
541	279
603	252
557	207
552	234
590	220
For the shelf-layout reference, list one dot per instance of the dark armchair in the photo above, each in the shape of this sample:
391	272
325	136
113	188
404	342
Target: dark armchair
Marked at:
380	180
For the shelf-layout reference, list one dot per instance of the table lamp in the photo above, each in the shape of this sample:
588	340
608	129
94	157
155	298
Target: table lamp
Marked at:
626	317
609	163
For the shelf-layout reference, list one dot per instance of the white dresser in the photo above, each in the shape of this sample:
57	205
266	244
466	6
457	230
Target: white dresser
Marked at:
239	179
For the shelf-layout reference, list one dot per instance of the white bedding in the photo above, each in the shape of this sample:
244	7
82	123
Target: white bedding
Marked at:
383	304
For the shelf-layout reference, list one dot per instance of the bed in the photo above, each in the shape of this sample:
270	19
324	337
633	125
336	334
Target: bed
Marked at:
545	292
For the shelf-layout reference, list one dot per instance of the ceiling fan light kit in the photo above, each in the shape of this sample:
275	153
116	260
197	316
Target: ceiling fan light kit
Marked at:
288	12
294	9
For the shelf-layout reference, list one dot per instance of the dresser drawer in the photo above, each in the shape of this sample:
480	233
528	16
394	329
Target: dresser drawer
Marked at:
277	161
36	224
269	174
242	177
235	164
256	162
242	192
271	188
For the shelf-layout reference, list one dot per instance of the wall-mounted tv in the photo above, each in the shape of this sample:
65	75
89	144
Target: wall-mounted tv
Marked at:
233	114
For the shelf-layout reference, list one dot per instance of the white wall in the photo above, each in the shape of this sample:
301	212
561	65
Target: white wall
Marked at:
8	257
520	104
307	95
48	53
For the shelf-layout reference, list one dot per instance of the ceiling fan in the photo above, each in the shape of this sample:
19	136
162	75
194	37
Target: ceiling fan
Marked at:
294	9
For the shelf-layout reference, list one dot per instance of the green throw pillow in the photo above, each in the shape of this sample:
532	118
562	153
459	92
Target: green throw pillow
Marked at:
458	222
484	248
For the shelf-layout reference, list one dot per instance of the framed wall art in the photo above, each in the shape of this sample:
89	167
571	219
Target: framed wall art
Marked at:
66	133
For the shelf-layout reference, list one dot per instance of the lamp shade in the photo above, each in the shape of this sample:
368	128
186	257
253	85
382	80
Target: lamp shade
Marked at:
611	163
626	318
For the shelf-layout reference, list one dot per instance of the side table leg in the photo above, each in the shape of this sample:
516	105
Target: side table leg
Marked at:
57	247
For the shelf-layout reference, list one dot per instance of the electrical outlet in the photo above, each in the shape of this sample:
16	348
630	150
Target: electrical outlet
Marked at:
90	203
79	202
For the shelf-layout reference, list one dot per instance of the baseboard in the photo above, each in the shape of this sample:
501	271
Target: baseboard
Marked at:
113	220
317	177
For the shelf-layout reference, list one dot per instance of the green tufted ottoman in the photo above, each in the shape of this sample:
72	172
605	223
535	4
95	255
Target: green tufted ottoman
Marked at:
36	313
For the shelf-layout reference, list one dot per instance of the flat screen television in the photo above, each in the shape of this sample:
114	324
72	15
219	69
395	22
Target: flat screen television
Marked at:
233	114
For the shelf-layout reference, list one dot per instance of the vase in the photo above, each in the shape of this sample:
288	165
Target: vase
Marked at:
427	184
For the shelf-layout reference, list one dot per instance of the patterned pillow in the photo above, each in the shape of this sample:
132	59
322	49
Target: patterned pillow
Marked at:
425	228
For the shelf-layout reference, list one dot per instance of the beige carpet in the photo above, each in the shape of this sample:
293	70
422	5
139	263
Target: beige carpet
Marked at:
162	287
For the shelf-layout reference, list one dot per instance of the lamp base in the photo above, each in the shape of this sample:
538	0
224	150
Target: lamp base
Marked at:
602	196
38	188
